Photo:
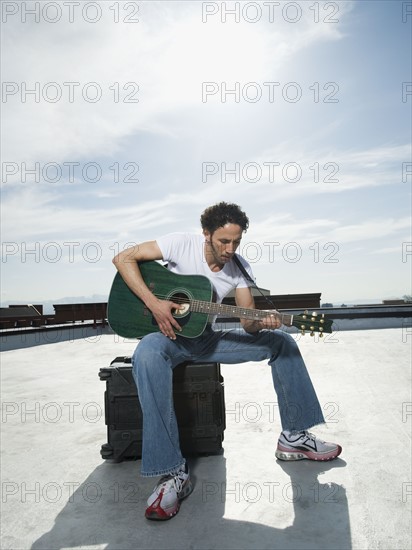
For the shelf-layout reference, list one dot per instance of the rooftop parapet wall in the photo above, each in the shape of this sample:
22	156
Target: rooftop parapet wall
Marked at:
344	319
32	316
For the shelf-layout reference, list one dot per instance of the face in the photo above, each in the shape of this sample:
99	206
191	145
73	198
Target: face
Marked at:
223	242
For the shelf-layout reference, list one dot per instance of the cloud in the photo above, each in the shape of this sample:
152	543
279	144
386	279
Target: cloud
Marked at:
335	181
39	216
286	228
295	170
161	61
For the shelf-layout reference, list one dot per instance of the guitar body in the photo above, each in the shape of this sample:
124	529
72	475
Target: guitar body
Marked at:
129	317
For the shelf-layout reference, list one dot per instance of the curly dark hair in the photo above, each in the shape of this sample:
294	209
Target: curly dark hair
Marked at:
222	213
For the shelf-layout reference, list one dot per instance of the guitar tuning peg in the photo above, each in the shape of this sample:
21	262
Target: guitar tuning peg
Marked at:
321	335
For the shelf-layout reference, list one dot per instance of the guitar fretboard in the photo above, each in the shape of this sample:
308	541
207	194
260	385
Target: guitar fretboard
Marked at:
234	311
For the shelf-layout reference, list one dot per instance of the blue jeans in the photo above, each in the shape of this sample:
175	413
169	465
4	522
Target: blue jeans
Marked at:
156	356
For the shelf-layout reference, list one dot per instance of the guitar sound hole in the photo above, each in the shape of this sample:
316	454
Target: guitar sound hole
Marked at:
183	300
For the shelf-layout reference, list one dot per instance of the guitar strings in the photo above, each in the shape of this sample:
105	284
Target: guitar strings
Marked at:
216	308
187	300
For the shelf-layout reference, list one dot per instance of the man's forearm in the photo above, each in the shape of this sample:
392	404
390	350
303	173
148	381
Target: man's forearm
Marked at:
130	272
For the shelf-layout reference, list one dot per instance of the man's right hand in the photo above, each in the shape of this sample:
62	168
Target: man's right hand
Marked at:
162	312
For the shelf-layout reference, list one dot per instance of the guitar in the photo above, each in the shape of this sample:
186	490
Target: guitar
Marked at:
129	317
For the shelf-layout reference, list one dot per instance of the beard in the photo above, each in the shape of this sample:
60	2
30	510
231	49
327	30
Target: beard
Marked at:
219	257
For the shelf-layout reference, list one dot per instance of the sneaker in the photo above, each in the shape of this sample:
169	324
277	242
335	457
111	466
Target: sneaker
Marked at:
164	502
304	445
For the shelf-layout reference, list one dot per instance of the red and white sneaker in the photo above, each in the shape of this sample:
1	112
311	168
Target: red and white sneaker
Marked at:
304	445
164	502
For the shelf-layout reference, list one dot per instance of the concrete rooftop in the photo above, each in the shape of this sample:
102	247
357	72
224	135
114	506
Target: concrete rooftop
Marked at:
57	492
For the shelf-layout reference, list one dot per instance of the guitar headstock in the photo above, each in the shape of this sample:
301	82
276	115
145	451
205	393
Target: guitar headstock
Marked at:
313	322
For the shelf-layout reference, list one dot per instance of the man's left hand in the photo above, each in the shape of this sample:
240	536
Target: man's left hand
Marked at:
272	321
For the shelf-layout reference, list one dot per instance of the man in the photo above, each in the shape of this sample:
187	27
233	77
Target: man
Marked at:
158	353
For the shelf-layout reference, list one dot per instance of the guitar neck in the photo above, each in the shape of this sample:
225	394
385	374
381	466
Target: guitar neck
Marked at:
238	312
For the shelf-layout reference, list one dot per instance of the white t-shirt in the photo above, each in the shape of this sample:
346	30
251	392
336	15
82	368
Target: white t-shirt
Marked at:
184	253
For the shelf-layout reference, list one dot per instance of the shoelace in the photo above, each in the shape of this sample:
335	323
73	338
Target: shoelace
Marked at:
313	437
306	434
178	480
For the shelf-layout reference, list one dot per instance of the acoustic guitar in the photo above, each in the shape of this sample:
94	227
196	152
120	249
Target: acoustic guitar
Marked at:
129	317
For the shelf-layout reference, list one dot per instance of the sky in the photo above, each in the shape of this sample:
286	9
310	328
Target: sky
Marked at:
123	121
